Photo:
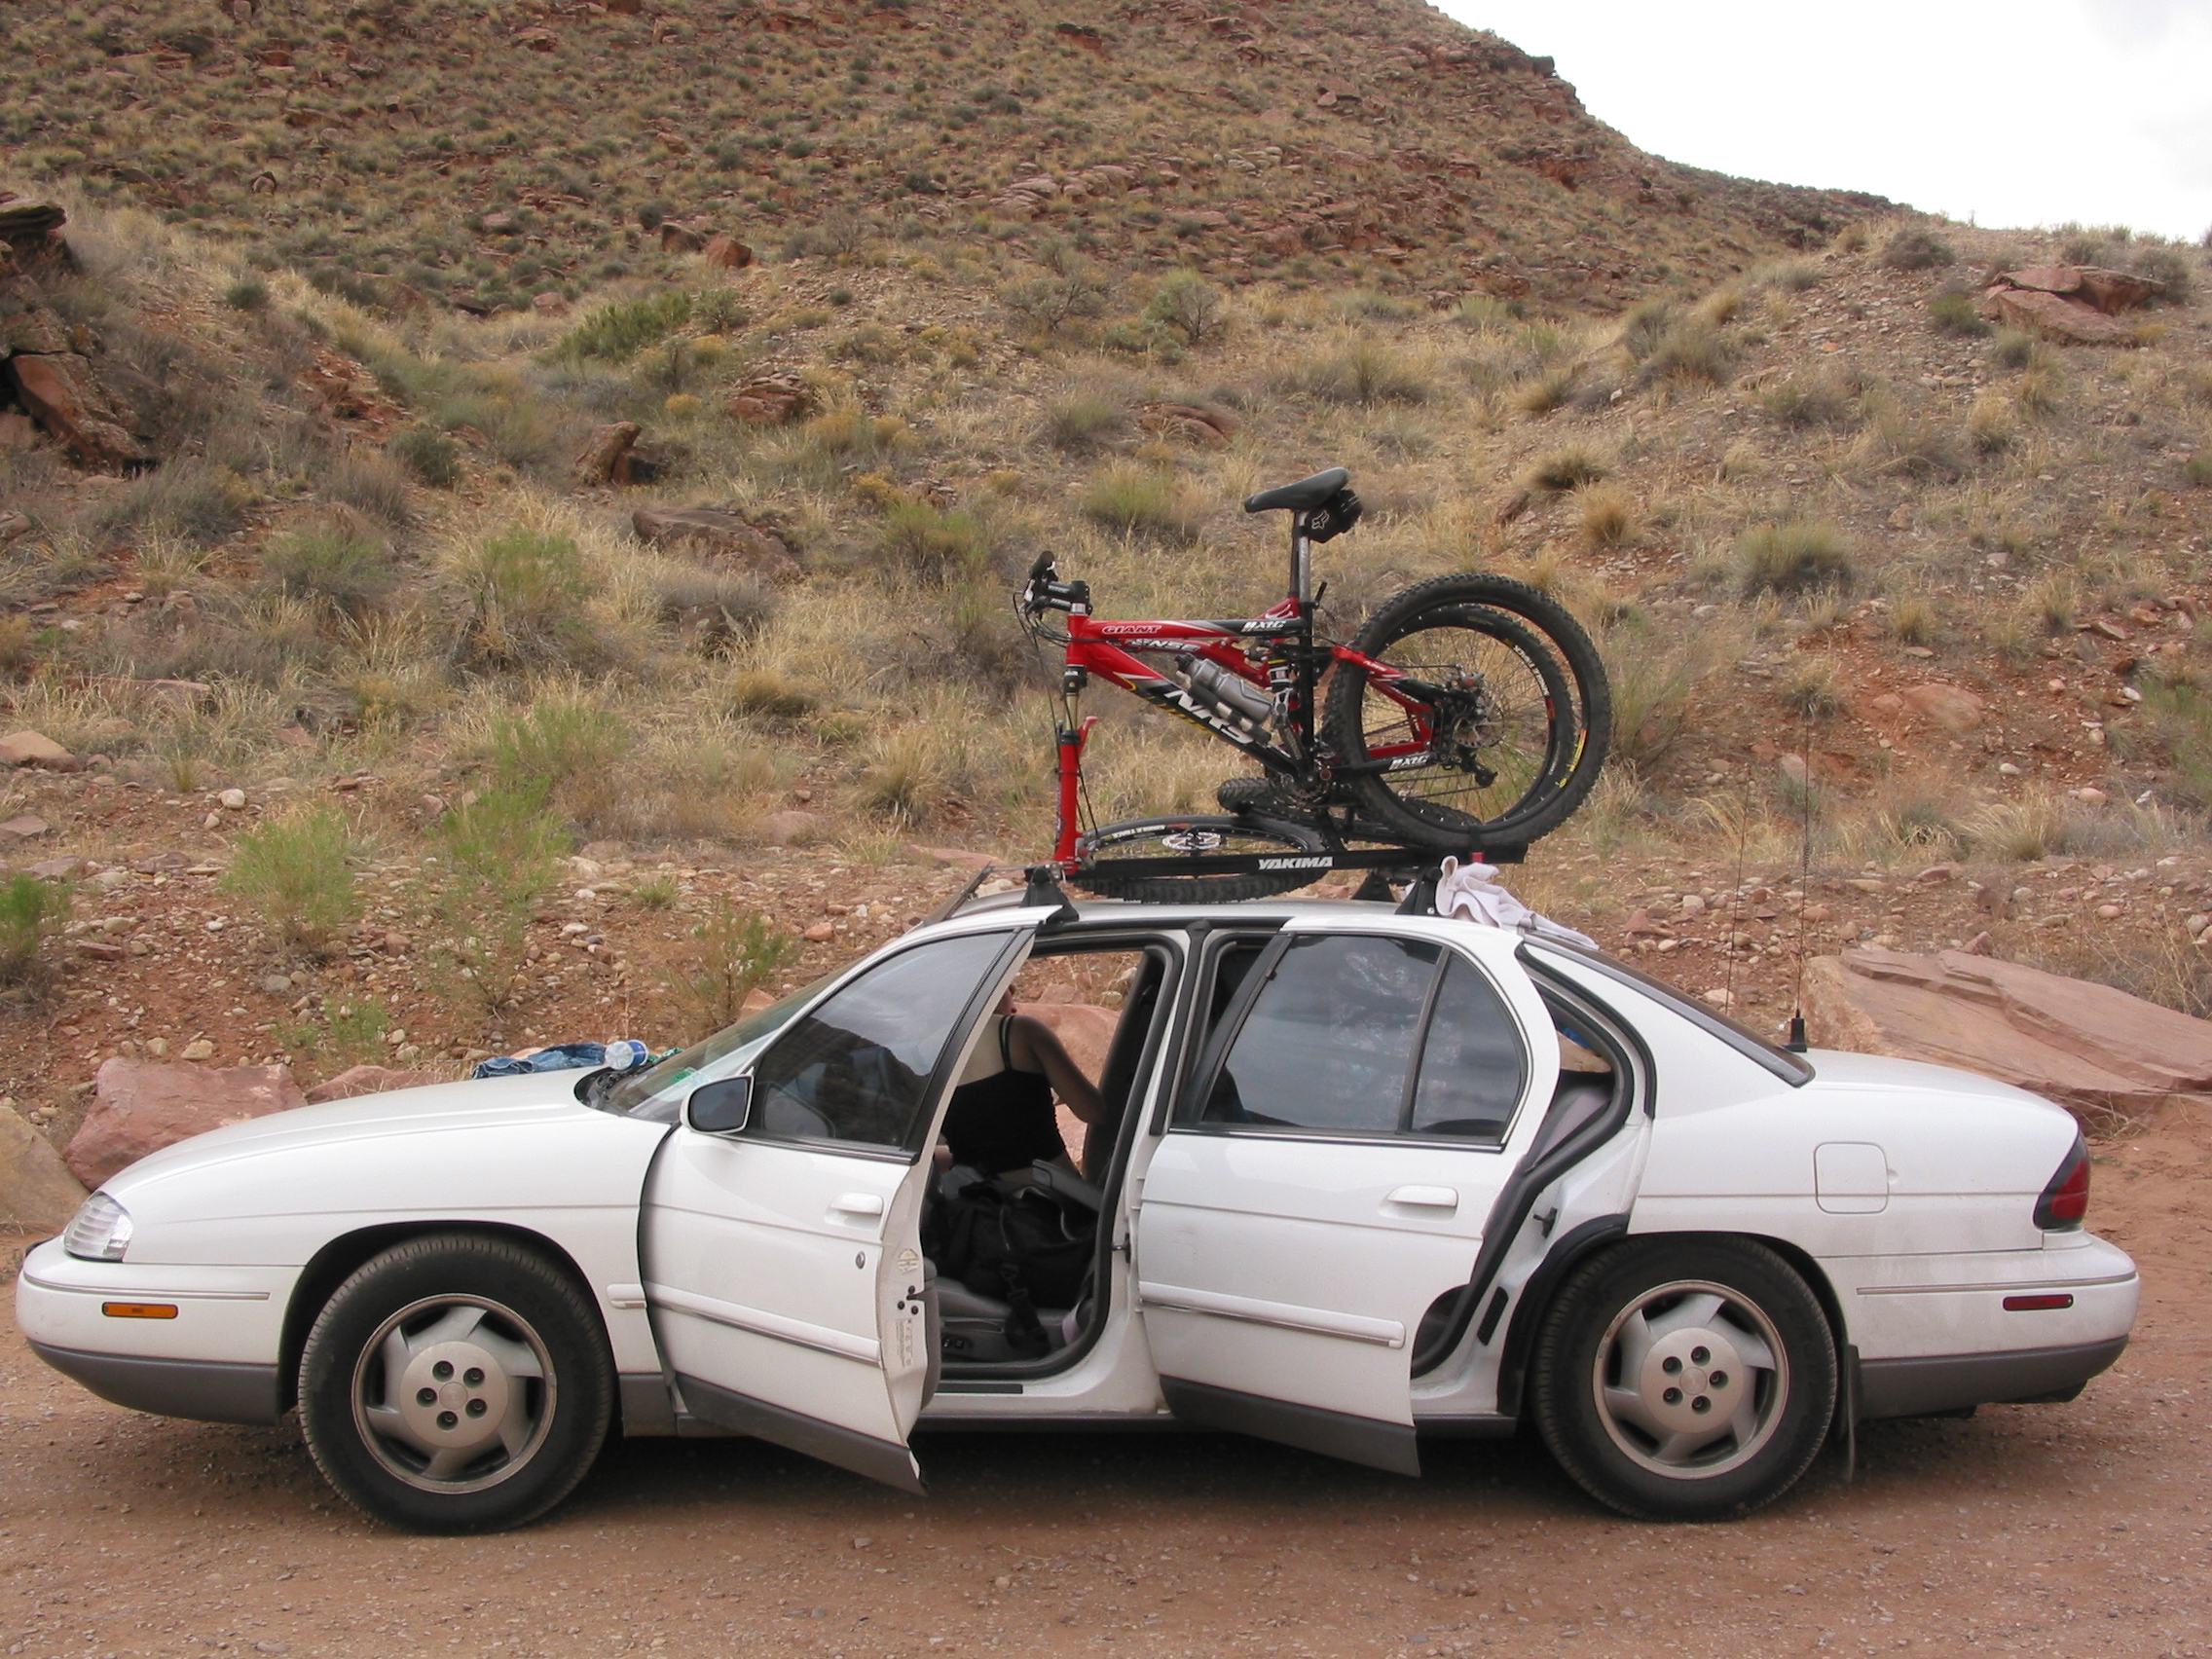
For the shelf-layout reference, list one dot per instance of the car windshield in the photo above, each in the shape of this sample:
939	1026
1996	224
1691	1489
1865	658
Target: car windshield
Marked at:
656	1093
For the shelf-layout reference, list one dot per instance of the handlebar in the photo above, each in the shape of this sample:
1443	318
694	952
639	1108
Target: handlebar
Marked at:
1045	592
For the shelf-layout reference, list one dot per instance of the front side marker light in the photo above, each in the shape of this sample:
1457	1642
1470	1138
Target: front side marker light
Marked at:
139	1309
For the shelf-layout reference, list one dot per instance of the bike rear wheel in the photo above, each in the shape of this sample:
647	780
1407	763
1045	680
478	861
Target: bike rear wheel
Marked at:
1190	838
1520	735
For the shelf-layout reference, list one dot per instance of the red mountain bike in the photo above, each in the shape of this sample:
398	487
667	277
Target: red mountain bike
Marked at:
1470	715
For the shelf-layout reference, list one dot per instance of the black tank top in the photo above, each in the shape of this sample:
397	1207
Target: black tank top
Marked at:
1002	1122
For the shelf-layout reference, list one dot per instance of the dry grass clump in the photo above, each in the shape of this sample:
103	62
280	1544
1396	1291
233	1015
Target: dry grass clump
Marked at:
1824	398
1953	311
1814	688
1361	370
1991	425
1145	500
1609	516
333	564
937	544
1695	350
1568	468
1792	557
1915	249
1080	420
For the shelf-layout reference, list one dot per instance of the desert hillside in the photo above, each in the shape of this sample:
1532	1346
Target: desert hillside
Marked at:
532	553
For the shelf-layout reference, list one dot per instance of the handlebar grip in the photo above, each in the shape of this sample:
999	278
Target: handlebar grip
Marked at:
1043	570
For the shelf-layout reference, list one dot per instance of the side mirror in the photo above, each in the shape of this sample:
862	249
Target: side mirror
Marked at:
719	1108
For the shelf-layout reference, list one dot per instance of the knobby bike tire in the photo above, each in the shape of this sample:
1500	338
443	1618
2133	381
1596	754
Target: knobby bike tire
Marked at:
1559	652
1192	837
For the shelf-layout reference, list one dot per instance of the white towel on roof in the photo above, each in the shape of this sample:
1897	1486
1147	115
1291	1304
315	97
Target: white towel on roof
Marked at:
1473	892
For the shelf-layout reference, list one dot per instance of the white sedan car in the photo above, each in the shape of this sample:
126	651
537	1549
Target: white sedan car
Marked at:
1361	1179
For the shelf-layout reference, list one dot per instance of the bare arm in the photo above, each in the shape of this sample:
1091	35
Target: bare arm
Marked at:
1081	1095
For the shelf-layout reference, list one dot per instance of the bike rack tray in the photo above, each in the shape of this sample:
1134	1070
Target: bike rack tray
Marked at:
1386	859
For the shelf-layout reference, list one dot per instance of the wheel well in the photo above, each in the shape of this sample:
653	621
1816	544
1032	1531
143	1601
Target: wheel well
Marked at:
1549	1277
339	1258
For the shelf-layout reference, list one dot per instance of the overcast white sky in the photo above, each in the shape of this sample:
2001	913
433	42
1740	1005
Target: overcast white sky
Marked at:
2032	112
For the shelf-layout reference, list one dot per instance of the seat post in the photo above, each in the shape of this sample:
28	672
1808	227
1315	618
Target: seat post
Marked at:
1301	563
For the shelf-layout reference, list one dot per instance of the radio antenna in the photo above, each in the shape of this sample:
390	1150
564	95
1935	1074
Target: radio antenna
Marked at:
1797	1043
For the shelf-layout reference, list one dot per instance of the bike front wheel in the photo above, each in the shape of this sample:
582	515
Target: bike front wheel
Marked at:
1193	839
1500	726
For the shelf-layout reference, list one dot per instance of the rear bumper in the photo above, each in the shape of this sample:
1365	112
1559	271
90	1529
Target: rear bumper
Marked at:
207	1390
1921	1386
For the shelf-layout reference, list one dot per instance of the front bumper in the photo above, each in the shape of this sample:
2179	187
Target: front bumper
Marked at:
214	1359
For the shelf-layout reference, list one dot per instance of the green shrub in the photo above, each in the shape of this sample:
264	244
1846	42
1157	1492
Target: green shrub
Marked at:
1822	400
1365	372
297	871
1082	419
2197	469
1792	557
1143	500
497	858
730	957
2017	349
618	332
333	566
28	910
1917	250
559	744
430	457
526	588
933	544
350	1033
1953	311
1189	304
248	294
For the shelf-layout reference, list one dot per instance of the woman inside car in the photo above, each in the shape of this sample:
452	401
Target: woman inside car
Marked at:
1001	1119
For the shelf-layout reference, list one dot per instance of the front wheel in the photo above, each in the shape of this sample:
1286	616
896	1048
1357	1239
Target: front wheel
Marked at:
1494	724
455	1383
1686	1379
1192	838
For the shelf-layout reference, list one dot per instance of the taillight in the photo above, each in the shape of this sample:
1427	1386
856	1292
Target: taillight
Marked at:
2066	1200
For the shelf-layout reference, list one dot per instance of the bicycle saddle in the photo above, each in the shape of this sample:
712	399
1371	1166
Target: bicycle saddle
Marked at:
1301	497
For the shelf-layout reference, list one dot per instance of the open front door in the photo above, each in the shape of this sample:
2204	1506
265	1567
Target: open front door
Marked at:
783	1259
1329	1176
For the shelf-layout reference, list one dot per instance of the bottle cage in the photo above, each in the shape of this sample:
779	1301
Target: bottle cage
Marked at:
1332	517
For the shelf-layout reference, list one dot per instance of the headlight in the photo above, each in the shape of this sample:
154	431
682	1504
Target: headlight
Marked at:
101	1232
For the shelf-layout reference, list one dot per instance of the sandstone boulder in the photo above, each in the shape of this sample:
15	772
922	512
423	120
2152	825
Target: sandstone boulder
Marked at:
772	401
140	1106
1206	428
2057	317
726	253
719	538
36	1189
2105	1056
368	1079
2110	291
792	828
1948	706
35	749
59	390
606	457
680	238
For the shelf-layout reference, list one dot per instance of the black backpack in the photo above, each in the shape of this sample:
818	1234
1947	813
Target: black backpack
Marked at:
1023	1246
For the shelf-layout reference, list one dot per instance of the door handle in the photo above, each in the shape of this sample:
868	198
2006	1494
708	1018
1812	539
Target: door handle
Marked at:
1424	1198
858	1203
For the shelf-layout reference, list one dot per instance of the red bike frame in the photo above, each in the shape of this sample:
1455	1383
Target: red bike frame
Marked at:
1284	670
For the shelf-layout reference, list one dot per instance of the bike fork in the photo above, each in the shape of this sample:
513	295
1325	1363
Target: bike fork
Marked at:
1067	818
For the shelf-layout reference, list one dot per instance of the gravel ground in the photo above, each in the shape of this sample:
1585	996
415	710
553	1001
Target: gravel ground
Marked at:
2079	1529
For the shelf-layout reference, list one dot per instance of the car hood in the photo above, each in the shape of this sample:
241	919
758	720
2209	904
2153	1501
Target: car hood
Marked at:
518	1102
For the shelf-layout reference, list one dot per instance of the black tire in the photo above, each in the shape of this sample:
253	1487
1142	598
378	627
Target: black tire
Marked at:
1547	720
1632	1431
1194	837
513	1395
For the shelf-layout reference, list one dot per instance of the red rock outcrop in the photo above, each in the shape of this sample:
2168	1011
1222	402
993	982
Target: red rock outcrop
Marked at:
140	1106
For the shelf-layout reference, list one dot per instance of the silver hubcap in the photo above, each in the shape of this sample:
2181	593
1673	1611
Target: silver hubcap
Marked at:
453	1394
1691	1380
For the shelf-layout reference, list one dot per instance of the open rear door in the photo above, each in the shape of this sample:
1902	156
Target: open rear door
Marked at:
782	1259
1327	1177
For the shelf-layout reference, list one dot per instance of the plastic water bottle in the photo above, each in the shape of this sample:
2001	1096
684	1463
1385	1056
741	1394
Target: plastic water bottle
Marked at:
626	1055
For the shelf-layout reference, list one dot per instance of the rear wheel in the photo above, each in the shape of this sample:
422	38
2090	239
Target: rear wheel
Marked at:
1192	838
1685	1380
455	1383
1514	724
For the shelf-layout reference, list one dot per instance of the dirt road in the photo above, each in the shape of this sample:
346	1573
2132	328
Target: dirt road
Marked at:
2082	1529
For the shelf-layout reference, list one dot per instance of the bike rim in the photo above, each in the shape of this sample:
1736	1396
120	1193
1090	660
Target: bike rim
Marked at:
1691	1380
453	1394
1196	839
1523	731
